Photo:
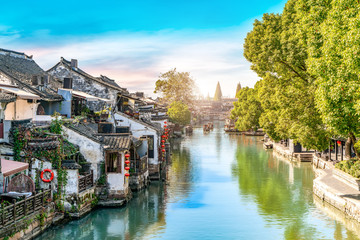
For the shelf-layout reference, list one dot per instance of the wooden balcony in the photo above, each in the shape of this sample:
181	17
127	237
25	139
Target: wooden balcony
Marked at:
86	182
23	208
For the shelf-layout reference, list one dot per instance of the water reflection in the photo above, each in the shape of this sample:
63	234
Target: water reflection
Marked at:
219	187
282	191
143	215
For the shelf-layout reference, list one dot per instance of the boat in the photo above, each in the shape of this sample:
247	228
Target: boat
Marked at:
206	128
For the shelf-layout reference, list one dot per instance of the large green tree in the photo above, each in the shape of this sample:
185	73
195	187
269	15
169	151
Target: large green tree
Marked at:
334	37
247	110
176	86
179	113
278	52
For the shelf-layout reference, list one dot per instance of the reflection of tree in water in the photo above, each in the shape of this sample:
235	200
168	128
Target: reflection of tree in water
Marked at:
181	172
280	202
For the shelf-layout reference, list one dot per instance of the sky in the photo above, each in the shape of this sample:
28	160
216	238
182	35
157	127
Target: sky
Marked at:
135	41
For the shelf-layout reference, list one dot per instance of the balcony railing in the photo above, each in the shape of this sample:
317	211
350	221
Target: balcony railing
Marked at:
86	182
23	208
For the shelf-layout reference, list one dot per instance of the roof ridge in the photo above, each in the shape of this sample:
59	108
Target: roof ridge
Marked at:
82	72
137	120
15	52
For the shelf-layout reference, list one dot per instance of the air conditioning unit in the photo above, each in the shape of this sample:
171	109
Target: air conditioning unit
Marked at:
122	129
105	127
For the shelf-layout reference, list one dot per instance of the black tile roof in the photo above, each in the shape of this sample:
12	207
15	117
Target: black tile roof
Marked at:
21	68
117	143
102	80
6	98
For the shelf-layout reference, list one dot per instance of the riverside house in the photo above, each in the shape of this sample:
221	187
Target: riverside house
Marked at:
124	114
28	94
112	157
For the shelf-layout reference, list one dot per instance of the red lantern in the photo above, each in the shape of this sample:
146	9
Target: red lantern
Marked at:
339	143
163	150
165	122
127	174
165	126
163	136
163	146
127	155
127	162
127	168
163	141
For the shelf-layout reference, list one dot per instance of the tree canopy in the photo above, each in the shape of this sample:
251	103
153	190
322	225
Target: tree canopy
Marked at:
176	86
179	113
277	50
308	61
247	110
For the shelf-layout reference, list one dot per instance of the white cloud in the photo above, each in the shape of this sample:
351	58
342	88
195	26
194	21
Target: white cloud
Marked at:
135	60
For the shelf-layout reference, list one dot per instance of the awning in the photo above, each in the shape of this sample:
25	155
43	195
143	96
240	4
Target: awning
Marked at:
89	97
20	93
9	167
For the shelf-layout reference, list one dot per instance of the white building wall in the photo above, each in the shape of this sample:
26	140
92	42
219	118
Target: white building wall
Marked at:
5	80
72	185
116	181
20	109
91	150
138	130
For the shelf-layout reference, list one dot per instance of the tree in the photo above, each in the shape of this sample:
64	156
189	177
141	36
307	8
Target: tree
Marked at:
247	110
335	51
179	113
176	86
238	88
218	94
278	52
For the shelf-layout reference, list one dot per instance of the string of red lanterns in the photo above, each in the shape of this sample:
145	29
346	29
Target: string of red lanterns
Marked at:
127	162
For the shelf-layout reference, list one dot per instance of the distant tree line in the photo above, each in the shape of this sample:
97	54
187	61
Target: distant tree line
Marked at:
308	59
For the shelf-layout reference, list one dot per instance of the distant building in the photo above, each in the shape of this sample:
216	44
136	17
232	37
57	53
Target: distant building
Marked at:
218	94
238	88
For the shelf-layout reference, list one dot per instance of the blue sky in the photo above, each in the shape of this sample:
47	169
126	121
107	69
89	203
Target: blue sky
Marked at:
134	41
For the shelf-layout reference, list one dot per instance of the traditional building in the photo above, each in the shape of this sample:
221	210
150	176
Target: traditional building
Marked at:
28	92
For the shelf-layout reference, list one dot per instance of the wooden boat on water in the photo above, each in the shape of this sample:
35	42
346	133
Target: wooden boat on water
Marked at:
211	125
254	133
206	128
188	130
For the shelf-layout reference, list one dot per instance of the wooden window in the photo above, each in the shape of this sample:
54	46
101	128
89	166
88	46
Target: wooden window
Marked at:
113	162
34	80
68	83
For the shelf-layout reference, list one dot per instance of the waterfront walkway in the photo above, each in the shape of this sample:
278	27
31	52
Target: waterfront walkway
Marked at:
336	191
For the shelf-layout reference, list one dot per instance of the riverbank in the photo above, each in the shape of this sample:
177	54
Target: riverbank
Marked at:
331	185
337	188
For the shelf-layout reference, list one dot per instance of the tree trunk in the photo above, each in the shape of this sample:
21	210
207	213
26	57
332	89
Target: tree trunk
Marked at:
348	148
353	139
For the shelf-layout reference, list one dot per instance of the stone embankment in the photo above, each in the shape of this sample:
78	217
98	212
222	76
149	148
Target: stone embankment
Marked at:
337	188
331	185
292	156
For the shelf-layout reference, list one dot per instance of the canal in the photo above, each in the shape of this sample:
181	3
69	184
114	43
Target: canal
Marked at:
219	187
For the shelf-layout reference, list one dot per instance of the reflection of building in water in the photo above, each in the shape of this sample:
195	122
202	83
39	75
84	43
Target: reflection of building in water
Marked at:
145	213
352	230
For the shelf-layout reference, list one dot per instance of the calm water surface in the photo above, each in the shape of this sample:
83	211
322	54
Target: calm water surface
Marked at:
220	187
